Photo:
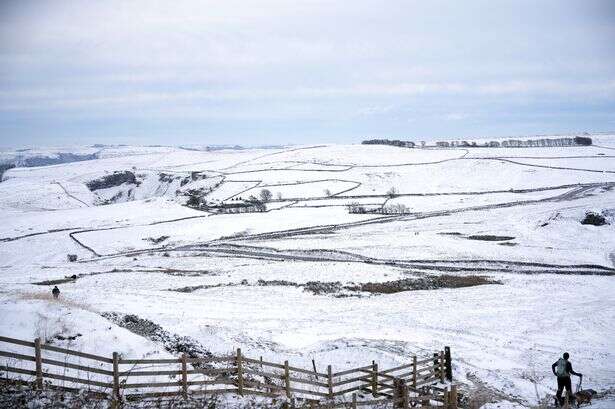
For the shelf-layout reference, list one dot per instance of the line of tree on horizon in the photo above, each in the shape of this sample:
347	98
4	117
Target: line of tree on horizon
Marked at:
508	143
517	143
392	142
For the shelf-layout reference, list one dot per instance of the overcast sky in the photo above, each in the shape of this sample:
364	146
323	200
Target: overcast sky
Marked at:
293	71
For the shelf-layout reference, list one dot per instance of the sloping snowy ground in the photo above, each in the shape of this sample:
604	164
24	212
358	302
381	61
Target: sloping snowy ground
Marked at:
213	227
504	337
548	232
15	223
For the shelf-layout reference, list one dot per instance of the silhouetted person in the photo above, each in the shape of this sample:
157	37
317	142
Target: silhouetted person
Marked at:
55	292
563	369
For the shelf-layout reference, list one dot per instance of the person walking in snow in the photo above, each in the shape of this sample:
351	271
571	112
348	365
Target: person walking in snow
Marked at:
55	292
562	368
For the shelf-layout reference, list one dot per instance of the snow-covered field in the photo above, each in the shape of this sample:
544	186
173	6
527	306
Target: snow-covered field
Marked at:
511	214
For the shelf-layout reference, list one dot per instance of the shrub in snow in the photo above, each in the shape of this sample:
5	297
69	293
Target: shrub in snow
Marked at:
193	201
594	219
398	208
355	207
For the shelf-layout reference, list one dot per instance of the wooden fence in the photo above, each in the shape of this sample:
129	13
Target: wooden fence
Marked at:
423	382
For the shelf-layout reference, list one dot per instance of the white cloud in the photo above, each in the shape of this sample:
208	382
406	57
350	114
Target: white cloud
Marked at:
455	116
306	58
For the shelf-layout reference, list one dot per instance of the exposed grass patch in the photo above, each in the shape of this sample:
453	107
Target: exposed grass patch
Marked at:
338	289
426	283
64	280
318	288
48	297
193	288
489	237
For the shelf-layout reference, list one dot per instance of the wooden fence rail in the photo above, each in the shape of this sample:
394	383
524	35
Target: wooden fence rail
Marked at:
419	383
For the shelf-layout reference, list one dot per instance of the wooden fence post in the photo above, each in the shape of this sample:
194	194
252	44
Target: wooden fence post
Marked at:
374	378
454	396
414	371
116	377
405	396
442	366
449	364
330	381
441	362
184	376
239	372
399	400
396	393
425	401
39	363
287	378
314	366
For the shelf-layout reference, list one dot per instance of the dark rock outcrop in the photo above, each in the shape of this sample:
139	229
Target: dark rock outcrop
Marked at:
113	180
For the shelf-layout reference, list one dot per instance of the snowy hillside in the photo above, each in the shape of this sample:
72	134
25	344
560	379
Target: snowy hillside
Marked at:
259	249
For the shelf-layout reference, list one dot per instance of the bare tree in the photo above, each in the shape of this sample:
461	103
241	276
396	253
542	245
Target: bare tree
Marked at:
327	192
392	192
279	195
265	195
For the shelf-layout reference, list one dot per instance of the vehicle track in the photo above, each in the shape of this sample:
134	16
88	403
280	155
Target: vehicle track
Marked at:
421	266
